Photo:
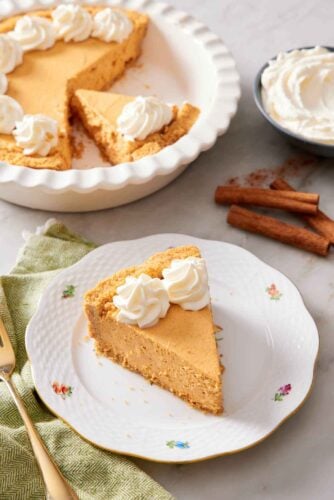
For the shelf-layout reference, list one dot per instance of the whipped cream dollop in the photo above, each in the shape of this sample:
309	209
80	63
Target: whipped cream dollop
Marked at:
72	23
11	54
141	301
186	282
111	26
3	83
143	116
298	93
10	112
36	134
33	33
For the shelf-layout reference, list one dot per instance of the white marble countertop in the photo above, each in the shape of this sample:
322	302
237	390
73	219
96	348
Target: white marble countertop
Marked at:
297	461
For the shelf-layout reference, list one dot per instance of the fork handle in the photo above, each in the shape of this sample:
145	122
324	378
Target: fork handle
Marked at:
56	485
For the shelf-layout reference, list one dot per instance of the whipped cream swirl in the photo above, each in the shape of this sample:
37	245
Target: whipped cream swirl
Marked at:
143	116
3	83
33	33
72	23
10	112
111	26
36	134
141	301
186	282
298	93
11	54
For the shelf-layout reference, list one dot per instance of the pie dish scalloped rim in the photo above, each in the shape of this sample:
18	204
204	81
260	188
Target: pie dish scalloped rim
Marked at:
201	137
269	345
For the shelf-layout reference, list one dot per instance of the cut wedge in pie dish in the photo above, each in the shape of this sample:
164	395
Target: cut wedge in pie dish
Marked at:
178	351
100	111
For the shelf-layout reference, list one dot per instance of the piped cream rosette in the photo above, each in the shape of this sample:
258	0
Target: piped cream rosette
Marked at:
144	300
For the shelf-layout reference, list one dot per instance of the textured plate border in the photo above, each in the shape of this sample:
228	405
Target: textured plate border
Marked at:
200	138
207	441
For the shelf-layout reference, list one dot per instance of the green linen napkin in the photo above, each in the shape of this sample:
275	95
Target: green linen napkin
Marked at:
93	473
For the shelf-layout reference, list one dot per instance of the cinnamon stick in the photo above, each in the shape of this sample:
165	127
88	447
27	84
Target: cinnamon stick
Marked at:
278	230
286	200
320	222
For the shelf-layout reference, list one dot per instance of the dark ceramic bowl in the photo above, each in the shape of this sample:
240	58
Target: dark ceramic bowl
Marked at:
298	140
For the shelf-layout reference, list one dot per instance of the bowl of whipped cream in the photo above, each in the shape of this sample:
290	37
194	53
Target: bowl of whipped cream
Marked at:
295	93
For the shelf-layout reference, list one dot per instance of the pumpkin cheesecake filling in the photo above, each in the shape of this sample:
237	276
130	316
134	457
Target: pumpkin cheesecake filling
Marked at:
47	80
59	61
179	353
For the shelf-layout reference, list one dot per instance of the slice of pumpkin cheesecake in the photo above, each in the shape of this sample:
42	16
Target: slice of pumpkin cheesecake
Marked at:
155	319
128	128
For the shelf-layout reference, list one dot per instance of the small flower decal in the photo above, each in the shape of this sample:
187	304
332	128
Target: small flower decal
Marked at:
69	291
62	390
178	444
283	391
273	292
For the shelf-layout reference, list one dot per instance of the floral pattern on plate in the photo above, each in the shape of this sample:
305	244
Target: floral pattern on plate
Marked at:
273	292
62	390
69	291
283	391
183	445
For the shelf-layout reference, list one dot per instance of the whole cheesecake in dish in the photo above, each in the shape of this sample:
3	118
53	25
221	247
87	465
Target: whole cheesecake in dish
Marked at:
155	319
102	115
55	61
46	80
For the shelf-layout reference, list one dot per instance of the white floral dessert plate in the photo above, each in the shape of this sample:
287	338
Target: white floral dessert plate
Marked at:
269	345
168	69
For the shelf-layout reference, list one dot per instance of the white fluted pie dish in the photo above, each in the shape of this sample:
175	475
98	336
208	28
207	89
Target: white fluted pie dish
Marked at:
168	69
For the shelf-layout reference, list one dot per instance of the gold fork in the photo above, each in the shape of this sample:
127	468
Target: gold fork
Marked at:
56	486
